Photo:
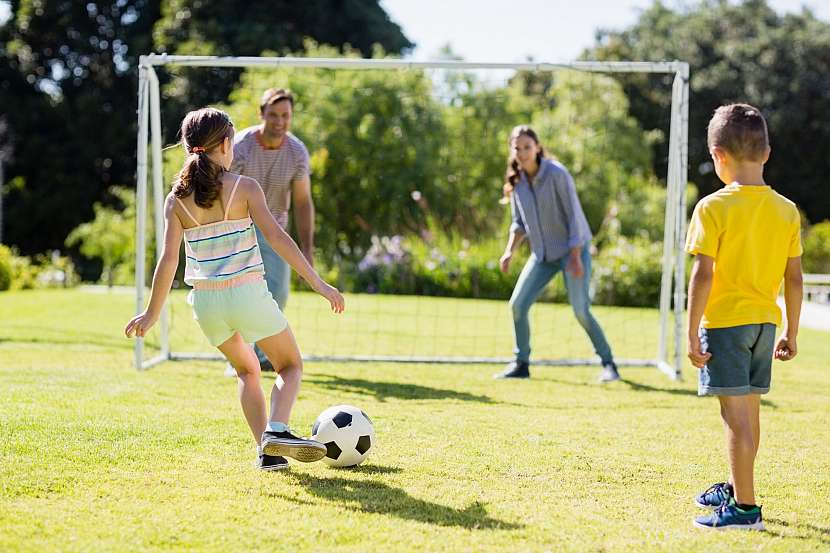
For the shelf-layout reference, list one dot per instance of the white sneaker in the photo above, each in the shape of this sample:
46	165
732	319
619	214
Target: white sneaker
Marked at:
230	371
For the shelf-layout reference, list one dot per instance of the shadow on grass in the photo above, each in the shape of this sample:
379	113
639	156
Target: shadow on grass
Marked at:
680	391
804	531
389	390
377	497
52	336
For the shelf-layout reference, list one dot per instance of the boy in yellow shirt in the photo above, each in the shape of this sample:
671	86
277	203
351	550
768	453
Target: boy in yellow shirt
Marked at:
745	238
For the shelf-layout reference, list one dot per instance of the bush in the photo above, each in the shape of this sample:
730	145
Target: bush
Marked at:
627	272
47	271
5	267
816	255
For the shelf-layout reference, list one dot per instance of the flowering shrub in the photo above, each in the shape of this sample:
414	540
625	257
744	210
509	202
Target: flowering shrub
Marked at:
47	271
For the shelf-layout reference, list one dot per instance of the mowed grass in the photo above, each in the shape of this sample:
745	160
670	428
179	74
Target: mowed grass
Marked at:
96	456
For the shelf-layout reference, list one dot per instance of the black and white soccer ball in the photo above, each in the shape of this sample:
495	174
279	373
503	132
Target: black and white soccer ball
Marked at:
347	433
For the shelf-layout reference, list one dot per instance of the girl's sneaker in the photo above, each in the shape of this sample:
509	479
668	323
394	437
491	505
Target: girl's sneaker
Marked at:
288	444
270	463
729	517
715	495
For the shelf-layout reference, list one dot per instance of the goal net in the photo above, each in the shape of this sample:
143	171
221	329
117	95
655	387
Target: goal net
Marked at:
407	163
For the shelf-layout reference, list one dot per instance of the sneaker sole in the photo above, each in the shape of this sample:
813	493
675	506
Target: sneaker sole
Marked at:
273	468
305	452
755	526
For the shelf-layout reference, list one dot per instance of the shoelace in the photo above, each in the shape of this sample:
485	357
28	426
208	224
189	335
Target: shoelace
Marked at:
718	490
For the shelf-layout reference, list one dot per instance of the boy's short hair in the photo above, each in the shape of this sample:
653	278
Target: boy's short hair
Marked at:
741	130
274	95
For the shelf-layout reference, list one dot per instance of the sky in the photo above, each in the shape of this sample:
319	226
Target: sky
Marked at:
546	30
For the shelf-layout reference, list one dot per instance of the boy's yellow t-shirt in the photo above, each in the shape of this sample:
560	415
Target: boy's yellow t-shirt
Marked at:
750	231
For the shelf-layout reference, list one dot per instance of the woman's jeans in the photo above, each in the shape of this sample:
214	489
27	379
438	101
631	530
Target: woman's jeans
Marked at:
533	279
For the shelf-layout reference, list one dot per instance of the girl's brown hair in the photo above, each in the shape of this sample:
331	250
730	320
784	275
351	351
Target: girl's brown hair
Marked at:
514	170
202	131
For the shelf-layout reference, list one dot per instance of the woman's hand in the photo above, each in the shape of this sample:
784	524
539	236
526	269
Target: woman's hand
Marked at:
574	266
140	324
504	261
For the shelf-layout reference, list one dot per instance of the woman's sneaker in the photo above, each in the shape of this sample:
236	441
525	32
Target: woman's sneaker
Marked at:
290	445
270	463
730	517
715	495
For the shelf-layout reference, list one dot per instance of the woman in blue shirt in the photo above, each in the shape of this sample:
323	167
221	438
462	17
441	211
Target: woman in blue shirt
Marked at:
547	211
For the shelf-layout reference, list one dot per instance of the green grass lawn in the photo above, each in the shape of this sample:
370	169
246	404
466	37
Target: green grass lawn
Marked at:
95	456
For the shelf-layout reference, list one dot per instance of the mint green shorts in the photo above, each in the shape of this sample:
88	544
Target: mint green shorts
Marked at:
248	309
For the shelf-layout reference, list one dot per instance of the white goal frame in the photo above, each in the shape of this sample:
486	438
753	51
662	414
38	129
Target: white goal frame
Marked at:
672	284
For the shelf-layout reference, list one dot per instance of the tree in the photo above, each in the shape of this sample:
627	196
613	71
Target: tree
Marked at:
742	52
69	71
248	28
110	237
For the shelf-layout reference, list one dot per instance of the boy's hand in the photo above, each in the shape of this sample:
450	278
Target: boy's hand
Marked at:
140	324
696	354
785	349
338	304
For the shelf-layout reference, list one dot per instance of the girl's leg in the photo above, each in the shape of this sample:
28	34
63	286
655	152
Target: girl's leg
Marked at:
242	358
284	355
580	300
534	277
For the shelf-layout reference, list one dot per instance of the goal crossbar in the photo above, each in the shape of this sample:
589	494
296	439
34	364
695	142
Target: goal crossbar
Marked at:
672	288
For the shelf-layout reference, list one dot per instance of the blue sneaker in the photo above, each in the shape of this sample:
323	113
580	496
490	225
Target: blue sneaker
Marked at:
729	517
715	495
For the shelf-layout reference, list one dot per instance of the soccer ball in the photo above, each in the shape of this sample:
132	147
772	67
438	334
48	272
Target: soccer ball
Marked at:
347	433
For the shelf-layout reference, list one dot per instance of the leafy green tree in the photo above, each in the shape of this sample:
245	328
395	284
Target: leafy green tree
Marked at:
69	71
390	149
248	28
110	237
583	120
738	52
817	248
374	138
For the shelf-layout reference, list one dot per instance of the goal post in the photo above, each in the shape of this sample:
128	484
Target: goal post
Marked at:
667	355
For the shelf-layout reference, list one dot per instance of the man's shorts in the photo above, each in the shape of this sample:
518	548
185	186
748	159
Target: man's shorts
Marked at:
741	361
248	309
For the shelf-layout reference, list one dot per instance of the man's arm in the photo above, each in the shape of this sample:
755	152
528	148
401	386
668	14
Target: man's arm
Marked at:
700	285
303	206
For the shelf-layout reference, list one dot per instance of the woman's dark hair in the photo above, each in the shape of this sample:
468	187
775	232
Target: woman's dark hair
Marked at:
514	170
202	131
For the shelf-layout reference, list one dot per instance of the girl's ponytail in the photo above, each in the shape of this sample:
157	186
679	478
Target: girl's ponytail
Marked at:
202	131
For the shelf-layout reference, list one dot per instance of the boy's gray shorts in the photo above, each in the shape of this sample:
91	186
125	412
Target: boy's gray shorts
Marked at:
741	361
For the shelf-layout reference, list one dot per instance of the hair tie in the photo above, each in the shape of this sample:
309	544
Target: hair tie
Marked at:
197	150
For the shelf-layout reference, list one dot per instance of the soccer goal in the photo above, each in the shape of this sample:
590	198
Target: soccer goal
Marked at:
407	161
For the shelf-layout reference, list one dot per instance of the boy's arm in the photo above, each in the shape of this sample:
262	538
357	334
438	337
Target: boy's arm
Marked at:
787	347
700	284
164	273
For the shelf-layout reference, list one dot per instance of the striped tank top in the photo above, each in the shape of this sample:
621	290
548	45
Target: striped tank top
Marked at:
221	250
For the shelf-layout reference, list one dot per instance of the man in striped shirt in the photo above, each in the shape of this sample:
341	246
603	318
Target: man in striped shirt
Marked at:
279	161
